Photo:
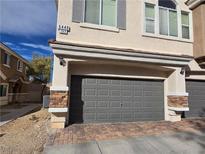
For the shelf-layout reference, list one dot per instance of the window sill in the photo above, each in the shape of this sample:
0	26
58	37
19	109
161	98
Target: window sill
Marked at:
167	37
7	65
99	27
20	71
3	97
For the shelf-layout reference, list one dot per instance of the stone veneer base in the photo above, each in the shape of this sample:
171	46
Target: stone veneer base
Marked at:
59	99
178	101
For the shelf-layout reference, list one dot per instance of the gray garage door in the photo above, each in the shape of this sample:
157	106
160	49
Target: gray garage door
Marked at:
95	99
196	90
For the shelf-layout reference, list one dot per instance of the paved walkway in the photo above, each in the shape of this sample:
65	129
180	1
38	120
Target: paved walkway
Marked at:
178	143
13	111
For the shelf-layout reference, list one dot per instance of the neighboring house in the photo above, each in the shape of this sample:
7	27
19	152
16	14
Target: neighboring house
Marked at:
198	9
124	60
13	75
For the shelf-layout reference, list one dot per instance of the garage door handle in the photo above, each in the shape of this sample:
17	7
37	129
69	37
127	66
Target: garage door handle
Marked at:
121	104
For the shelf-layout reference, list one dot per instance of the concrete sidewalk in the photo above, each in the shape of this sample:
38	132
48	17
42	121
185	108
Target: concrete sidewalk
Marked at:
15	111
178	143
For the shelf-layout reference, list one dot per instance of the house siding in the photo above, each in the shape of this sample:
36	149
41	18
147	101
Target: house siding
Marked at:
199	30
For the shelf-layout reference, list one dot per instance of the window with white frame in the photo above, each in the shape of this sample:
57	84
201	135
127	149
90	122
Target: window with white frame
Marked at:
149	18
3	90
168	24
19	65
185	25
6	59
165	17
101	12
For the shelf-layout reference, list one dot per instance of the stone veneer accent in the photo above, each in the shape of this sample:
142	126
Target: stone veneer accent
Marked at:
178	101
59	99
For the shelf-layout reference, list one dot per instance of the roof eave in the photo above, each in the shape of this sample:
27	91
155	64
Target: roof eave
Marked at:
193	3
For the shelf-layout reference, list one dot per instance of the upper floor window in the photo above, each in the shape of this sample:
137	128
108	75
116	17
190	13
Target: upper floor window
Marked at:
150	17
101	12
6	59
164	20
185	25
168	18
19	65
3	90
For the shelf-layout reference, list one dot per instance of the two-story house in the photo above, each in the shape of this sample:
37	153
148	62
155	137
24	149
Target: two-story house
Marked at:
13	75
122	60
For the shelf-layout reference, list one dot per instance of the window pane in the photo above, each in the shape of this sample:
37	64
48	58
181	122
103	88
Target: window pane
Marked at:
5	58
109	12
173	23
167	3
3	90
185	32
149	26
92	10
8	60
149	11
185	18
163	22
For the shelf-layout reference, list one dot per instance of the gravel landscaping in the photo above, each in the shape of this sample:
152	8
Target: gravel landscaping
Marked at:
26	134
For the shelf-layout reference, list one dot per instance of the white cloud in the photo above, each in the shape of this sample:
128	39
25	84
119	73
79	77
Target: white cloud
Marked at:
8	43
28	17
36	46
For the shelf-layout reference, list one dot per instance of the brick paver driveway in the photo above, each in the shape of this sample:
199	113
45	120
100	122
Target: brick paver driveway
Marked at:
186	136
80	133
177	143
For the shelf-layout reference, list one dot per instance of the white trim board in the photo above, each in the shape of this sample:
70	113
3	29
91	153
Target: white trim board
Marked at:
112	54
3	76
178	109
55	110
59	88
178	94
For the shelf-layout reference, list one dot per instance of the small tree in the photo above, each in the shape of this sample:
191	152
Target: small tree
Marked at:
41	67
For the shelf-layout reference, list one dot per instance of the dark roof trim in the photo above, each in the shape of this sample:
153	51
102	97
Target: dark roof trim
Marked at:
194	3
196	72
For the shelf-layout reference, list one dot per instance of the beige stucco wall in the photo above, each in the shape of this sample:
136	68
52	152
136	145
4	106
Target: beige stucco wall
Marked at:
132	37
174	82
199	30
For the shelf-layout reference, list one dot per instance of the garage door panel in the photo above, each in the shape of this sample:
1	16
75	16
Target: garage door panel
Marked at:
114	93
89	98
116	100
90	81
102	104
115	104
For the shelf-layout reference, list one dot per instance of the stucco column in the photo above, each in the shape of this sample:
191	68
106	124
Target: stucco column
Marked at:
59	93
177	97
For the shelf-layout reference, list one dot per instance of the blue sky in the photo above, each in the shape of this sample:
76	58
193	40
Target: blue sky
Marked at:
27	25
